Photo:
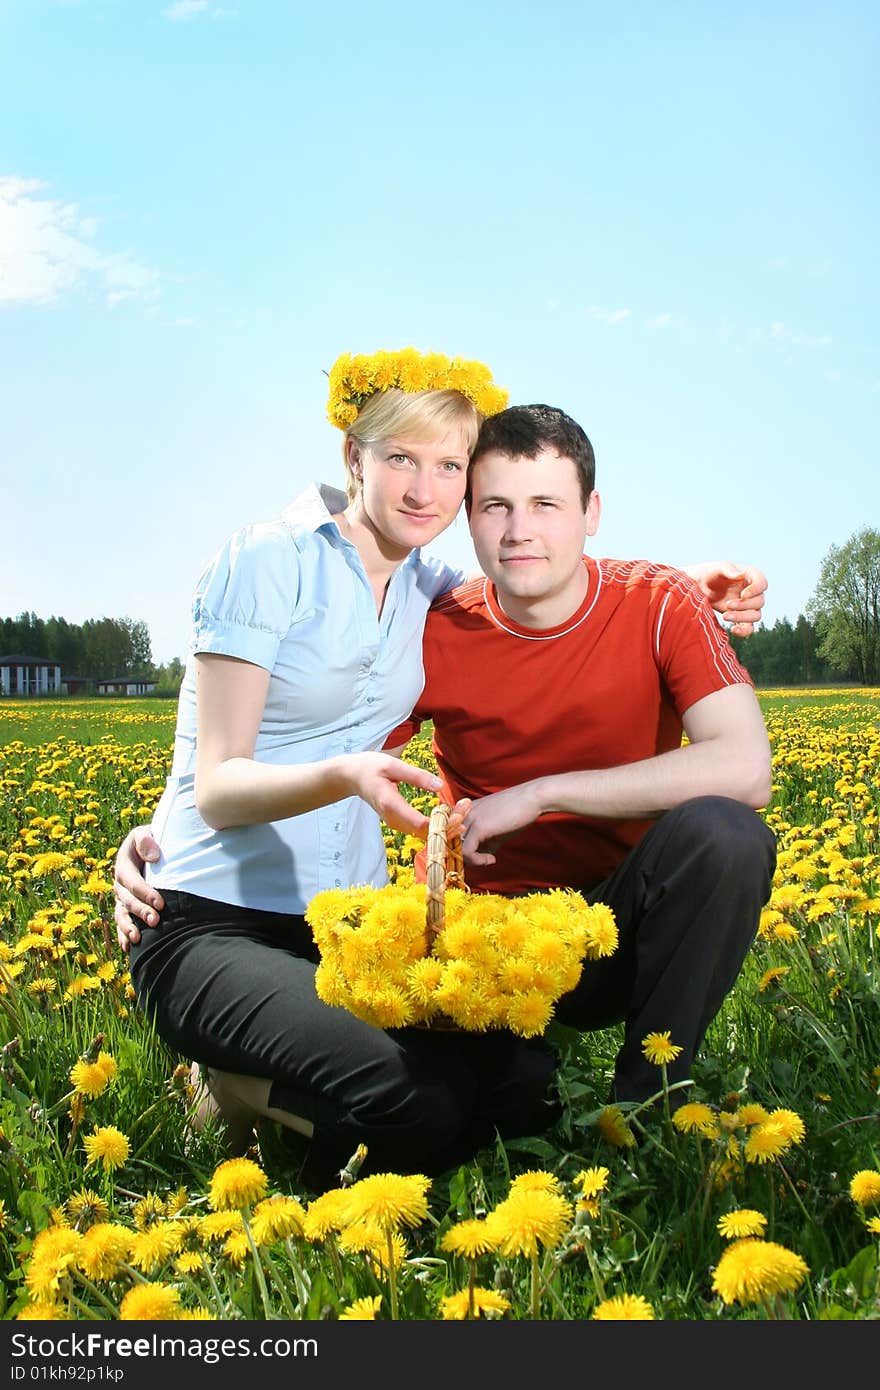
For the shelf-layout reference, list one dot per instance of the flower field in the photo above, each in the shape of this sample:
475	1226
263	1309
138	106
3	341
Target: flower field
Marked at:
753	1194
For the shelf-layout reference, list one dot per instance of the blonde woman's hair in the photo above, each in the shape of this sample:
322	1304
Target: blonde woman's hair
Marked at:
412	416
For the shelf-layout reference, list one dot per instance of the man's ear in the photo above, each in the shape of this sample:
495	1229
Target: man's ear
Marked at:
594	511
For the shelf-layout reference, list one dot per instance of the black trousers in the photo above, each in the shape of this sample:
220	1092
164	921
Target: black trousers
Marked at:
234	989
687	901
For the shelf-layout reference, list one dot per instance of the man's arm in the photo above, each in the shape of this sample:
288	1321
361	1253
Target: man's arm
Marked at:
727	754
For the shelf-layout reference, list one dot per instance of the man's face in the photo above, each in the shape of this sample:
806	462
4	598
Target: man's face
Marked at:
529	528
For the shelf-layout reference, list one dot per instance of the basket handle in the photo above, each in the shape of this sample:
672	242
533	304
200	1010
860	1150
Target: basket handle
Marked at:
444	867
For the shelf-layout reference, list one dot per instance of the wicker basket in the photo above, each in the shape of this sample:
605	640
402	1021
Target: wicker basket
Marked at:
502	961
444	867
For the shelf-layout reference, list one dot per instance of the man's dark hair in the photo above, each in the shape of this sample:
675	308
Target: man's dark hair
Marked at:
524	431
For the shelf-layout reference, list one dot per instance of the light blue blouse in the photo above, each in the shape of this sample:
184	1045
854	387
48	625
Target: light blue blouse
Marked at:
292	596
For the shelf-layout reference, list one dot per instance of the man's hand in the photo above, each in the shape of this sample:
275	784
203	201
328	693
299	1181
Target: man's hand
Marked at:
488	821
134	896
734	591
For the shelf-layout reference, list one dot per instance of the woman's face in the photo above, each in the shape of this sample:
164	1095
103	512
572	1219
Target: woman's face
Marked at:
410	492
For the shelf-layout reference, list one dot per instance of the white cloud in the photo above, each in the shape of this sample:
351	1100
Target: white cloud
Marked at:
183	10
47	249
661	321
782	334
609	316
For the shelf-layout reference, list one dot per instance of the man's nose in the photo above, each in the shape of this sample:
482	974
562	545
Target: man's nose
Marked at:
517	528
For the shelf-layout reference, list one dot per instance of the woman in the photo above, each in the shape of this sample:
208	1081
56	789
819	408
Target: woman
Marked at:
305	655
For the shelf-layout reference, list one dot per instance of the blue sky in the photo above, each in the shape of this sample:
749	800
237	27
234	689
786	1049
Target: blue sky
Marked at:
661	217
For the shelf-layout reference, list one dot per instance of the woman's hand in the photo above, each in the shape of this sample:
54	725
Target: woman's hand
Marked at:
375	778
131	891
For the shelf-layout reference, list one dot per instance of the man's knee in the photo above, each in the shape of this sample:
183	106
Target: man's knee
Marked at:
729	833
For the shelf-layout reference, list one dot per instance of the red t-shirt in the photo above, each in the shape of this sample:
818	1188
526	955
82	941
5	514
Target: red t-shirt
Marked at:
608	686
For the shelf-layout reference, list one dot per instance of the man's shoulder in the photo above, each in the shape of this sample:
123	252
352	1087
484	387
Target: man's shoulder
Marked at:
466	598
646	576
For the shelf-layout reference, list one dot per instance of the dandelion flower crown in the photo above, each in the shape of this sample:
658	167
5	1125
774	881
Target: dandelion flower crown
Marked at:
354	379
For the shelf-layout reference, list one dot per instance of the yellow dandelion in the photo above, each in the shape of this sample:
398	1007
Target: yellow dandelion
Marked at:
363	1309
529	1012
86	1208
751	1270
625	1307
54	1253
789	1123
276	1218
527	1219
236	1183
468	1238
864	1187
614	1129
873	1225
108	1146
219	1224
486	1303
734	1225
772	977
237	1248
44	1310
150	1303
659	1050
151	1247
536	1180
104	1248
591	1181
147	1210
49	863
92	1078
766	1142
601	932
389	1200
695	1118
326	1214
752	1114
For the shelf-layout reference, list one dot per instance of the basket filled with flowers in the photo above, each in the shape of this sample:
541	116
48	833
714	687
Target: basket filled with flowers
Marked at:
434	955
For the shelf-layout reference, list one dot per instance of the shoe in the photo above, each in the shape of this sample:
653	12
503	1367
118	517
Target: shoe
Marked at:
213	1102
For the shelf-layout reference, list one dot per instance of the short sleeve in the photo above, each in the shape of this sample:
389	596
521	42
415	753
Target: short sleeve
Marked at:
695	654
244	599
436	578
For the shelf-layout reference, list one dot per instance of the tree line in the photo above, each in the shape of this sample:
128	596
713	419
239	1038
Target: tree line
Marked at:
98	649
837	639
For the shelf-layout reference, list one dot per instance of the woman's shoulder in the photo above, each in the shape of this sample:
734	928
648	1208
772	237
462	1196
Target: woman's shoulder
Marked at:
435	576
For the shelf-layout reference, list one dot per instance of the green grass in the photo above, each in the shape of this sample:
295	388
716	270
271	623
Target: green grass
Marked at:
800	1032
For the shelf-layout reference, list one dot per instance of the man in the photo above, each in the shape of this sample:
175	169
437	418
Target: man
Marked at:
560	687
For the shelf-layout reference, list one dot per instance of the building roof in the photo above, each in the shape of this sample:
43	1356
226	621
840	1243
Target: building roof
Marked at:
126	680
15	659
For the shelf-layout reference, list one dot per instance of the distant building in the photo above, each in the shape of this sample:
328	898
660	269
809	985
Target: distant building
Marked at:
124	685
29	675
